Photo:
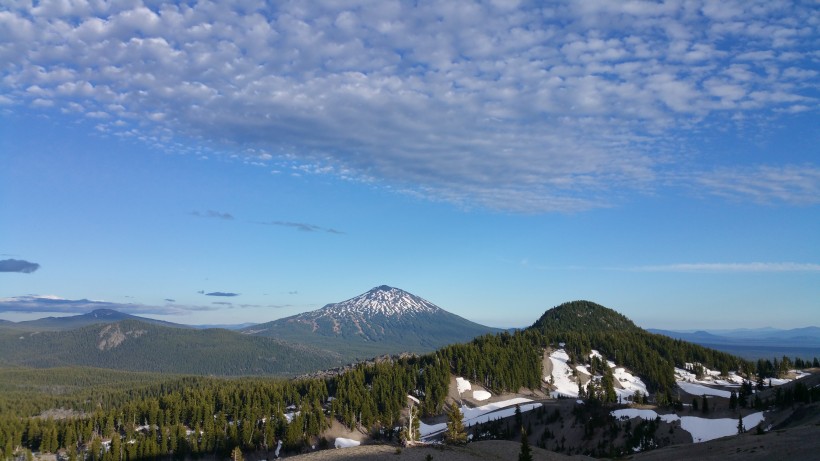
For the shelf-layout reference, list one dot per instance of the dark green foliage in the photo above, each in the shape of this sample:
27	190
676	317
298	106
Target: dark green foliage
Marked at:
455	433
525	454
502	362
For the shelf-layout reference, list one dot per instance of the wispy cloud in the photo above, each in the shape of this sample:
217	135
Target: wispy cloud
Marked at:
304	227
18	265
212	214
50	303
732	267
523	106
793	184
221	293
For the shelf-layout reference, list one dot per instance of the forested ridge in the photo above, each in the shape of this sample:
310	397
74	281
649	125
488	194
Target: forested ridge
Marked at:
135	345
152	415
584	325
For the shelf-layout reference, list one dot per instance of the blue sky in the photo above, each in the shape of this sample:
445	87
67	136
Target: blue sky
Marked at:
209	163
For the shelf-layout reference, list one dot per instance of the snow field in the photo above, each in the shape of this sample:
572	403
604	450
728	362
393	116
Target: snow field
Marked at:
629	382
702	429
562	375
342	442
481	395
567	387
699	389
482	414
463	386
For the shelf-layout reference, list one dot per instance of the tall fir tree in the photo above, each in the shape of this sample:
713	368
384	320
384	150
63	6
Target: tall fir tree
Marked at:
456	434
525	454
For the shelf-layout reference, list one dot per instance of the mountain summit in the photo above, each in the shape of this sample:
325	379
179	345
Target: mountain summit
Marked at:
382	300
384	320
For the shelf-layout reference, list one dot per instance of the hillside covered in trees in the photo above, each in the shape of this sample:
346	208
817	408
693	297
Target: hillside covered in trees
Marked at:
135	345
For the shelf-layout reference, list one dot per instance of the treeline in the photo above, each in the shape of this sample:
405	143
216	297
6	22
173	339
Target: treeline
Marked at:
502	362
779	368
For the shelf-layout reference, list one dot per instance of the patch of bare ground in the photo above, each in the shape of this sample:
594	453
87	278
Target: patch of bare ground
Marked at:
485	450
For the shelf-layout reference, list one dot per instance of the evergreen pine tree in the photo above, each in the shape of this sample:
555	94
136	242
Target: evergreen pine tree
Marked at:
525	454
236	455
740	428
455	435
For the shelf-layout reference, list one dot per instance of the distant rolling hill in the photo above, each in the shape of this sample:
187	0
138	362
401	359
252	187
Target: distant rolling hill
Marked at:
72	322
382	320
753	344
136	345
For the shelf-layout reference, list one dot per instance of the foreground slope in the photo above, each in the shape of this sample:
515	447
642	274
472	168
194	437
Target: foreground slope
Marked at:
139	346
382	320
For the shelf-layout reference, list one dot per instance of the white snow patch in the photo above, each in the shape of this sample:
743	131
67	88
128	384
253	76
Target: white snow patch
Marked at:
290	415
702	429
481	395
594	353
482	414
565	386
629	382
463	385
342	442
698	389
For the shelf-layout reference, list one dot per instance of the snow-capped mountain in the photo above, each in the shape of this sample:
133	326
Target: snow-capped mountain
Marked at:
382	300
382	320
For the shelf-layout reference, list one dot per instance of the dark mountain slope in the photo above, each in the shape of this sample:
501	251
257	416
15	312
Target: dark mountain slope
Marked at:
139	346
383	320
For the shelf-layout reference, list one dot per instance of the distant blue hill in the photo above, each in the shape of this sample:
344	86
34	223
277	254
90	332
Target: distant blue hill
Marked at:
755	343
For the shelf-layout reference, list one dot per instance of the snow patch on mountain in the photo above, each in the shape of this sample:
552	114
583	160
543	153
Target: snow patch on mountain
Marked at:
382	300
482	414
462	385
562	379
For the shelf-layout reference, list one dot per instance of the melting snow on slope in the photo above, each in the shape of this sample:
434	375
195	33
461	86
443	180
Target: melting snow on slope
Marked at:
482	414
629	382
566	387
698	389
463	385
342	442
481	395
702	429
562	375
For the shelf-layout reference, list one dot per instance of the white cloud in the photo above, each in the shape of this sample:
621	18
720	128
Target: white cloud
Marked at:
733	267
561	107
